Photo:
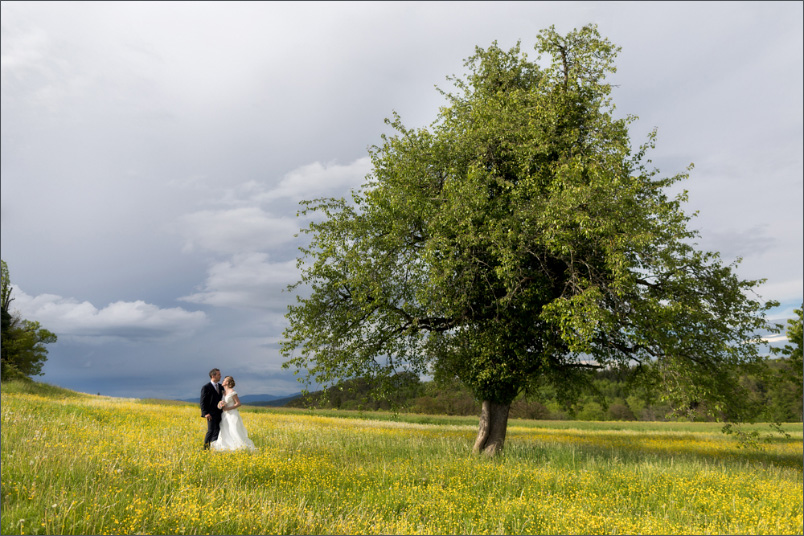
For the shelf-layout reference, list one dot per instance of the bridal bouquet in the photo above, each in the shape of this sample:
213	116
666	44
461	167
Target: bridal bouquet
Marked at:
221	404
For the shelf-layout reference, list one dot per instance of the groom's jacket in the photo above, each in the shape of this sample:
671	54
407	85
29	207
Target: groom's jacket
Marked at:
210	399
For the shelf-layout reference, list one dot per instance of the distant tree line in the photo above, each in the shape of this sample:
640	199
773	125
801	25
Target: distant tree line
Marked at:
775	394
23	341
608	397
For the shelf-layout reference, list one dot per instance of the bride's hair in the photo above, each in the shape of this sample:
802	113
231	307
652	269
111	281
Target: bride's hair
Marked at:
231	381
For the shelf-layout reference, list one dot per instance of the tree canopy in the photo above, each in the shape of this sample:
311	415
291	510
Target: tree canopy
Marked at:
22	347
793	350
521	239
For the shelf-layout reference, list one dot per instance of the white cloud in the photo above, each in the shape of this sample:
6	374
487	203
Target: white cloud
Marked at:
321	180
775	339
247	280
244	225
782	290
135	320
22	50
236	230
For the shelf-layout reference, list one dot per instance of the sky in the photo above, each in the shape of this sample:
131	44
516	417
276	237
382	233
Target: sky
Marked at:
154	154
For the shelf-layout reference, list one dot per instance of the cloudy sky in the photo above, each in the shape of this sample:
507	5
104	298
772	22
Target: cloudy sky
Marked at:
154	154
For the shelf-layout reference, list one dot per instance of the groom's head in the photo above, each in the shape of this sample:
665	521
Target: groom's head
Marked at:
215	375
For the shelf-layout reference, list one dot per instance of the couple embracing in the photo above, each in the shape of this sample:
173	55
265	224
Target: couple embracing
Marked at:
219	403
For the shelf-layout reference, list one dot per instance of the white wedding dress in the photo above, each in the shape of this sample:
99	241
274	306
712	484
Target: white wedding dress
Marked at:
233	433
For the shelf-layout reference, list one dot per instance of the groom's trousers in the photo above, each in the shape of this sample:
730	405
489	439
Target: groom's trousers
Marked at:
213	430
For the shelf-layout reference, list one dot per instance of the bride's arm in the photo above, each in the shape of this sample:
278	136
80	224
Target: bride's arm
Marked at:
236	405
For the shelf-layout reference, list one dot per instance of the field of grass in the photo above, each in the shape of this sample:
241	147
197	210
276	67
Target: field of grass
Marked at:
84	464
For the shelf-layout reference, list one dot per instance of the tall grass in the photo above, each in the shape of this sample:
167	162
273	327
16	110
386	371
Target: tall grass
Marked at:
94	465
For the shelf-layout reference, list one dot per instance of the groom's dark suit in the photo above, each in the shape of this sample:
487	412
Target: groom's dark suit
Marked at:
209	406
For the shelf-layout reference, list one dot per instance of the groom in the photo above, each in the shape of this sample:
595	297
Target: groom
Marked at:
211	394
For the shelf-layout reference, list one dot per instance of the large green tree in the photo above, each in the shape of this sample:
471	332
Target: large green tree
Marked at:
22	347
786	379
520	239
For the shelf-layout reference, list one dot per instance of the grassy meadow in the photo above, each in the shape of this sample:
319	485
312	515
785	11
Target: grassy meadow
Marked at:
85	464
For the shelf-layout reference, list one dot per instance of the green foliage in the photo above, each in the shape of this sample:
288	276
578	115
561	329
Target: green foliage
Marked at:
23	351
364	394
793	351
592	411
446	397
752	439
518	242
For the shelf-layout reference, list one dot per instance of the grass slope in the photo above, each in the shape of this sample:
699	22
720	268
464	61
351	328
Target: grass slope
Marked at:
84	464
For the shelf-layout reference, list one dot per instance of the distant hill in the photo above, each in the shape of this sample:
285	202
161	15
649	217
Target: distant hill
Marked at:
279	402
259	400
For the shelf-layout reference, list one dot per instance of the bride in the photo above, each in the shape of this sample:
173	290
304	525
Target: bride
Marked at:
233	434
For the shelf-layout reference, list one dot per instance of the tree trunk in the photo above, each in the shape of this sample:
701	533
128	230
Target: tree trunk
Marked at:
492	428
